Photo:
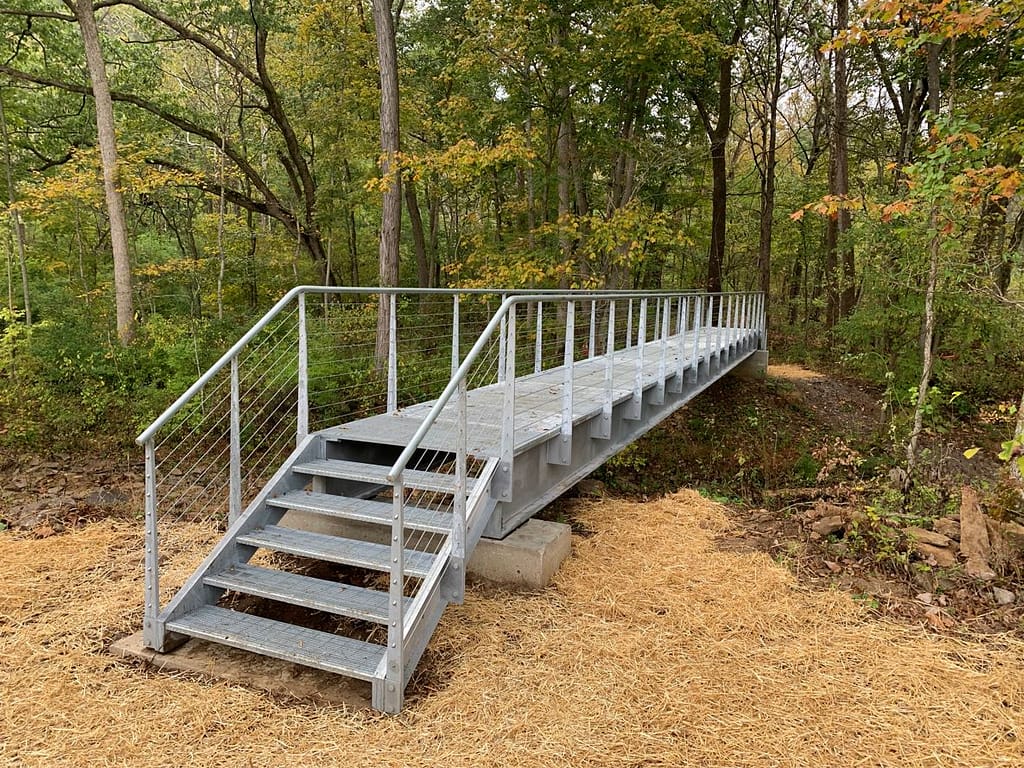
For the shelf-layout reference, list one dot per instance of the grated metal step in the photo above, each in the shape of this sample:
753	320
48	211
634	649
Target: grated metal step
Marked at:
417	479
335	549
296	589
333	653
364	510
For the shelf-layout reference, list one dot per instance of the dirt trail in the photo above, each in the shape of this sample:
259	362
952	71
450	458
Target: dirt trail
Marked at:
652	647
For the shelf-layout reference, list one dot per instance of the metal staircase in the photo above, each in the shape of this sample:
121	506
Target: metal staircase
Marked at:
343	552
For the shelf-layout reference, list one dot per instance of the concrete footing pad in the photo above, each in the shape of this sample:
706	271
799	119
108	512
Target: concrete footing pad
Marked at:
279	678
527	557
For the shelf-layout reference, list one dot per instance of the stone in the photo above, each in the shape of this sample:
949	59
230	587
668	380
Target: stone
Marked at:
105	498
947	526
941	556
974	543
1003	596
528	557
925	536
828	525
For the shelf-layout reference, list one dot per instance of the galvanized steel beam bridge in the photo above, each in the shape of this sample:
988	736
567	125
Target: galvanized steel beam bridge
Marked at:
417	421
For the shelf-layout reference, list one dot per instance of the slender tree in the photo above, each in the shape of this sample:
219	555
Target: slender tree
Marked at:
106	137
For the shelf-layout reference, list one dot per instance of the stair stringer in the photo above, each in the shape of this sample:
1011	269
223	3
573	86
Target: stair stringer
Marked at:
194	593
446	583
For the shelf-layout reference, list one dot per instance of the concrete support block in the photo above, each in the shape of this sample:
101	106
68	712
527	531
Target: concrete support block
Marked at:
527	557
754	367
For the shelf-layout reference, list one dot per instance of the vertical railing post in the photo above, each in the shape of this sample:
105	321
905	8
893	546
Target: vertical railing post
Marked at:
592	340
502	346
456	352
302	410
709	326
742	331
730	327
235	449
629	325
665	310
762	323
657	319
603	427
394	675
636	405
682	319
152	634
718	333
392	353
459	511
698	314
561	451
538	344
503	482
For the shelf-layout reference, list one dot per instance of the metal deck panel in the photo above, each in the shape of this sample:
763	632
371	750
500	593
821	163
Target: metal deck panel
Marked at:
332	653
296	589
335	549
363	510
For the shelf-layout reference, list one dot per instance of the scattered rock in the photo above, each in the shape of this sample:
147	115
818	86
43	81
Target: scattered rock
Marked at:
1003	596
104	498
828	525
1011	532
925	597
948	526
974	543
943	557
927	537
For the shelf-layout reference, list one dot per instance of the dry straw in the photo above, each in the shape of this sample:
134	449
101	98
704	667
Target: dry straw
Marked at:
652	648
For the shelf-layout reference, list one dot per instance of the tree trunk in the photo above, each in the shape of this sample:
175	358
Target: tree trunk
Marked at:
847	294
17	228
934	244
391	208
83	11
419	239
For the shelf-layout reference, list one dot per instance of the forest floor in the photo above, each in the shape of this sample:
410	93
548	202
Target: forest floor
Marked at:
741	637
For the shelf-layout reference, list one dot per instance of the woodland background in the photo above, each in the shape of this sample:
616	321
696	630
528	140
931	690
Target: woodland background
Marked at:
172	168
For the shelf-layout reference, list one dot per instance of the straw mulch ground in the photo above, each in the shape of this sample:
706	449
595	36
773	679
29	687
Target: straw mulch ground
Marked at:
652	648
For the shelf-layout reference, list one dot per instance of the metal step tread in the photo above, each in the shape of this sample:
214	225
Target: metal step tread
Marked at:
296	589
335	549
364	510
333	653
378	473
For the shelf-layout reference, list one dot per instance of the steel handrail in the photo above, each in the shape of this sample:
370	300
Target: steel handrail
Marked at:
403	459
298	290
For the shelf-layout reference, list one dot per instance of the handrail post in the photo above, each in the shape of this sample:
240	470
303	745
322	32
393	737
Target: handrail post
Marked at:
392	353
698	313
538	344
561	451
730	325
603	427
718	333
742	329
394	676
302	415
459	511
636	405
502	346
665	310
152	634
629	325
455	334
745	322
592	341
762	324
682	319
507	367
235	451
